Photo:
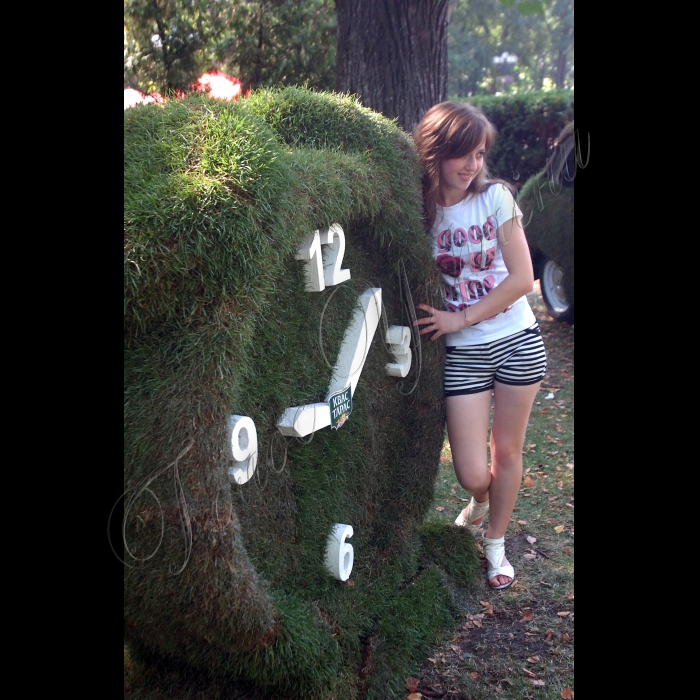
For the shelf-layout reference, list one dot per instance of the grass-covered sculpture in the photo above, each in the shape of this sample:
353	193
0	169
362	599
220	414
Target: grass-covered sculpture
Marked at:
547	203
230	579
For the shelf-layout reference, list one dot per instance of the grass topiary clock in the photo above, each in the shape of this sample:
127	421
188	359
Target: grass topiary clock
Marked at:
283	422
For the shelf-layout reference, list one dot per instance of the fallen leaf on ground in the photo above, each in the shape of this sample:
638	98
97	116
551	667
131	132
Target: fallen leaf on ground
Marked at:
488	606
567	694
474	675
412	684
537	682
528	482
522	522
533	659
529	555
548	636
570	465
564	613
559	528
350	582
440	509
566	550
566	637
527	615
531	539
414	696
529	673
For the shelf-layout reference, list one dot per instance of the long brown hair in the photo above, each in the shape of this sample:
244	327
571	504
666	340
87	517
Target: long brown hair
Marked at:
451	130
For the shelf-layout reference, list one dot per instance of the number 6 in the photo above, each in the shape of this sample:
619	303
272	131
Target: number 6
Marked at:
339	554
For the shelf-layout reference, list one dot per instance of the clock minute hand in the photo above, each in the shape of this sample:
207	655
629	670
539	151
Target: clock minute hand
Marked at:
299	421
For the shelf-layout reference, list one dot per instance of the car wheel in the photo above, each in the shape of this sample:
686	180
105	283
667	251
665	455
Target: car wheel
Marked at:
553	293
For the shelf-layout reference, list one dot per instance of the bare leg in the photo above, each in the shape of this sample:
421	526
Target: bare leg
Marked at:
512	405
467	429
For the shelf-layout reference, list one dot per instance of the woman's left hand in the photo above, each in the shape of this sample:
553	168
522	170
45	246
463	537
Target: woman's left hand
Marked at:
439	322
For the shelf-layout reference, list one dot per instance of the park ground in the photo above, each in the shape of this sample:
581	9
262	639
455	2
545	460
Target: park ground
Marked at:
518	643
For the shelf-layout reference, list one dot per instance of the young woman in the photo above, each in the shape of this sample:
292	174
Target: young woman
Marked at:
493	344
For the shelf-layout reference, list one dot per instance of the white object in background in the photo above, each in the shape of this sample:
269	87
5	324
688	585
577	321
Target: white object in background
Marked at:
320	274
242	448
399	339
299	421
339	554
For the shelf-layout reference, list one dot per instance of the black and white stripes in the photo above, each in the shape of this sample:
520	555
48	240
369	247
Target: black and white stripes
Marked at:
517	359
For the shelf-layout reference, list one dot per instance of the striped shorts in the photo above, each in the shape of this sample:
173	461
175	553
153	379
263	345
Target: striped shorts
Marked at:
517	359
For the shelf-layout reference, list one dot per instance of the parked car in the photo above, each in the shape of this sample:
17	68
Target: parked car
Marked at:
547	203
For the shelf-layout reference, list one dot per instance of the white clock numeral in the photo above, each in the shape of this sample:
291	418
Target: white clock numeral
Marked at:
339	554
320	274
242	447
399	340
334	238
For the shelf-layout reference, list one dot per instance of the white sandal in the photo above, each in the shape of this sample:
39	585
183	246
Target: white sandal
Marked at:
472	512
494	551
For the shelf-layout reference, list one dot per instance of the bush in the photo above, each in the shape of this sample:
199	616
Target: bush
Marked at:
528	124
230	579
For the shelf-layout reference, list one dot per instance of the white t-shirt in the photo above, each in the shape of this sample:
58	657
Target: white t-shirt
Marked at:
468	253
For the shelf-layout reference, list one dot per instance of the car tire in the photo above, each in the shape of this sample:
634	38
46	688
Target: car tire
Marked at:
553	294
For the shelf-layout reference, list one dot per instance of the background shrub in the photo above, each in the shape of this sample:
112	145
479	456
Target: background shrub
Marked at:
528	124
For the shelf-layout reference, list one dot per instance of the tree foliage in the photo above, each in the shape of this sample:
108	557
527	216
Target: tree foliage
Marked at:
540	33
168	44
274	43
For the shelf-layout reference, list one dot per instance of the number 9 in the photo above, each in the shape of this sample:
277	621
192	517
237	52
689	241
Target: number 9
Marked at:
242	448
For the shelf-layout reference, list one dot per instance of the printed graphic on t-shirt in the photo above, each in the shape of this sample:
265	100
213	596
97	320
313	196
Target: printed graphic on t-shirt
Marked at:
469	256
474	249
482	260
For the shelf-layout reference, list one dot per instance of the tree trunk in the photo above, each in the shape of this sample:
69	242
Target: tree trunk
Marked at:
393	55
561	69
